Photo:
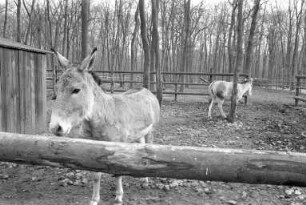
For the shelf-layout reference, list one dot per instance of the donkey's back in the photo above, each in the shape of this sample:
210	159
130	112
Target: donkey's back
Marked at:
138	110
139	102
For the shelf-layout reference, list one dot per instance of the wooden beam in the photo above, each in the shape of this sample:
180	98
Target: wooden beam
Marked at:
300	98
228	165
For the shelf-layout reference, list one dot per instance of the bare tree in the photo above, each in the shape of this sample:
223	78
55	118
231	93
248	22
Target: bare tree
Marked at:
48	30
304	48
299	14
155	45
85	10
134	45
30	14
230	41
145	45
5	19
18	38
289	41
239	62
185	41
65	37
249	49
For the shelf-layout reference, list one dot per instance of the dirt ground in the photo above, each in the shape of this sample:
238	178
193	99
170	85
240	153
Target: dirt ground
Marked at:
268	122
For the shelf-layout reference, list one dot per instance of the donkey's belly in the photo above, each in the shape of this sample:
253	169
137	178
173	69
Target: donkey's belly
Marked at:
105	133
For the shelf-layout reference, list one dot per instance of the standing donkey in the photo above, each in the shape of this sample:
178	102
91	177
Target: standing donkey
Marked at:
126	117
222	90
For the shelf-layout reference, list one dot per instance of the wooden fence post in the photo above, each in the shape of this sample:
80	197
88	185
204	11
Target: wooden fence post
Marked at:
175	92
210	76
112	82
297	90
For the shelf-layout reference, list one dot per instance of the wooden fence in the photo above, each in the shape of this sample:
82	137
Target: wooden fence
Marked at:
298	88
22	88
140	160
172	82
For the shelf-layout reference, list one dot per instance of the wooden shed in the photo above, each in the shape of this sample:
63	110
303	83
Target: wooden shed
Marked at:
23	100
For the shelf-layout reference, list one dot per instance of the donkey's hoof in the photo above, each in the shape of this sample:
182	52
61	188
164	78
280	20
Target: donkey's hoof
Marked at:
118	200
94	203
145	182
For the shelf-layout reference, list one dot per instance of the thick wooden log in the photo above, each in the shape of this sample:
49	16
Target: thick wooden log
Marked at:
228	165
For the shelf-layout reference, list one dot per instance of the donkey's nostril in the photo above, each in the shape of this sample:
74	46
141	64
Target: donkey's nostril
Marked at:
59	129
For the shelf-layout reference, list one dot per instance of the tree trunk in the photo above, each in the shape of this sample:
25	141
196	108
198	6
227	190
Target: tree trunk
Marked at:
155	44
296	44
65	37
133	45
230	42
39	28
85	11
49	27
186	39
145	45
18	38
5	19
29	28
140	160
289	41
249	49
231	117
304	48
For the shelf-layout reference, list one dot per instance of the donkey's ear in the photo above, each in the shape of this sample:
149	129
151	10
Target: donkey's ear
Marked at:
88	62
64	62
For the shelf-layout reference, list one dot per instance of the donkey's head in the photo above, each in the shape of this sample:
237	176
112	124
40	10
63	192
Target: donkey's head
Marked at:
75	94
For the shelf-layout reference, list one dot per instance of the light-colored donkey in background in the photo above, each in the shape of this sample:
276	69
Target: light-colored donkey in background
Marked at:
126	117
222	90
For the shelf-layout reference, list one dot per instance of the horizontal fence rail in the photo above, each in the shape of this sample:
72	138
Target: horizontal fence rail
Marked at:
140	160
134	78
120	81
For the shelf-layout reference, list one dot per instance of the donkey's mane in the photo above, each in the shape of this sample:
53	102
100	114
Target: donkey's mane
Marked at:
96	78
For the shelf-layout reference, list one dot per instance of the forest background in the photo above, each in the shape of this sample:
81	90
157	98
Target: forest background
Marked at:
194	36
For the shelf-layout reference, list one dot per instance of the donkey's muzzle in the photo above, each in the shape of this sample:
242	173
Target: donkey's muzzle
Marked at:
57	130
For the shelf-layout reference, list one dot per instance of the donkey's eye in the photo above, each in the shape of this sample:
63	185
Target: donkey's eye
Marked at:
75	91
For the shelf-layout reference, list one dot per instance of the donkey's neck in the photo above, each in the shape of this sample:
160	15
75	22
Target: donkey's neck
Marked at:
104	106
102	116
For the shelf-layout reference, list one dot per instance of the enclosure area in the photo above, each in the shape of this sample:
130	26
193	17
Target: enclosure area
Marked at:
270	121
171	47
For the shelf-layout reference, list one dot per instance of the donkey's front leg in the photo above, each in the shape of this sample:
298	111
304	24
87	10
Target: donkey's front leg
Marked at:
119	191
96	188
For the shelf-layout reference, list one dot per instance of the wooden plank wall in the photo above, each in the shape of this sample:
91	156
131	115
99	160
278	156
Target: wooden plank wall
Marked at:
22	91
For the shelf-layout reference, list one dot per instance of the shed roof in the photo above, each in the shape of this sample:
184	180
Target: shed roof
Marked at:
6	43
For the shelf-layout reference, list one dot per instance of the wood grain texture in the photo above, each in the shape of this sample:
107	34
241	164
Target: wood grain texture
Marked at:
137	160
22	90
1	91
